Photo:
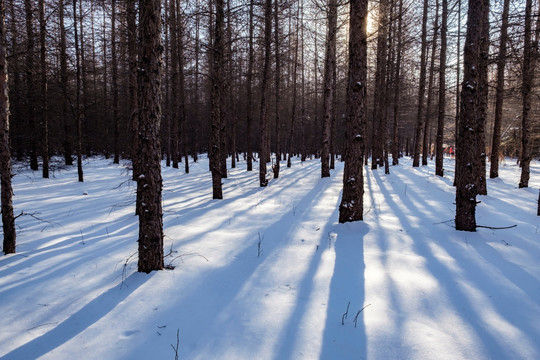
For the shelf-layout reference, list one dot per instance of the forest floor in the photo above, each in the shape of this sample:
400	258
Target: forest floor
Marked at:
269	273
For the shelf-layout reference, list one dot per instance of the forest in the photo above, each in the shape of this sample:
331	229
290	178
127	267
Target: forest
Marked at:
322	124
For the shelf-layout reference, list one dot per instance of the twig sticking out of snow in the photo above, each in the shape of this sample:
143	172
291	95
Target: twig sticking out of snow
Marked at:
345	314
358	313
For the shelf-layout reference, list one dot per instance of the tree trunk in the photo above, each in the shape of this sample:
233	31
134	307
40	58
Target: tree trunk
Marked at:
499	94
426	143
328	92
181	87
132	85
175	115
68	139
149	182
529	62
216	100
442	91
295	90
78	114
249	110
472	104
30	86
264	154
114	65
8	220
277	88
44	106
421	90
351	207
397	87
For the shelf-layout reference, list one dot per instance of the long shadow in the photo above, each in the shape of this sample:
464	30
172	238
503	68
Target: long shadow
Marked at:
347	340
79	321
478	278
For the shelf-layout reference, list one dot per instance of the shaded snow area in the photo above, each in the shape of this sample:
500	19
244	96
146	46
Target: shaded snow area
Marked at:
268	273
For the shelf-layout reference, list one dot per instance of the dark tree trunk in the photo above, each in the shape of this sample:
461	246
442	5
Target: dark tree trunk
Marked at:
472	104
132	85
351	207
30	85
328	91
175	115
149	182
8	220
426	143
114	65
68	137
44	106
499	94
249	110
78	113
421	90
397	87
530	53
216	100
277	88
295	91
264	153
442	92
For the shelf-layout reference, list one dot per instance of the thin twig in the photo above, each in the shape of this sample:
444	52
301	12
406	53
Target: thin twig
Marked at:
497	228
358	313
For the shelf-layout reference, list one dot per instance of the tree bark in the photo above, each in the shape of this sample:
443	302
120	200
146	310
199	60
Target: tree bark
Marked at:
149	182
329	82
131	14
499	94
249	110
530	52
277	88
442	92
351	207
472	104
397	87
30	85
68	138
44	106
264	153
8	220
421	90
78	113
114	60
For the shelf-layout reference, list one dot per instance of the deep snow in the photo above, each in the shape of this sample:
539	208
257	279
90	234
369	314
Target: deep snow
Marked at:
268	273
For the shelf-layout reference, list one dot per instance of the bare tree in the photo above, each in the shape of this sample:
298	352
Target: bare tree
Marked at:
351	207
149	182
329	84
397	86
249	85
30	85
44	107
277	87
530	52
131	21
442	91
263	151
8	220
78	112
472	104
421	90
68	138
114	64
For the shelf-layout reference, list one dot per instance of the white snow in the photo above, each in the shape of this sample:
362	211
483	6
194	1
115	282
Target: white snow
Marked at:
427	291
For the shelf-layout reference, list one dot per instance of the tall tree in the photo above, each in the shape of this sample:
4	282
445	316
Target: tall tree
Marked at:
30	85
149	182
277	87
329	83
8	220
483	87
426	146
216	98
114	64
472	104
530	52
499	93
263	150
351	207
44	106
295	89
442	91
78	112
397	86
249	85
131	14
421	90
68	138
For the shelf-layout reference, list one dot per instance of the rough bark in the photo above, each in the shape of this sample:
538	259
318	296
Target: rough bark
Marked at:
30	85
530	52
442	92
216	100
472	102
421	90
499	94
328	91
78	113
397	87
114	64
264	153
149	182
8	220
249	110
44	106
277	88
68	137
351	207
132	85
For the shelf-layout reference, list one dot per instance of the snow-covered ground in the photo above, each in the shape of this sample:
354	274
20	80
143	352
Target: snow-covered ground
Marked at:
268	273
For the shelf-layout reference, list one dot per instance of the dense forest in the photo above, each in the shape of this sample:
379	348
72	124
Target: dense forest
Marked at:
268	80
